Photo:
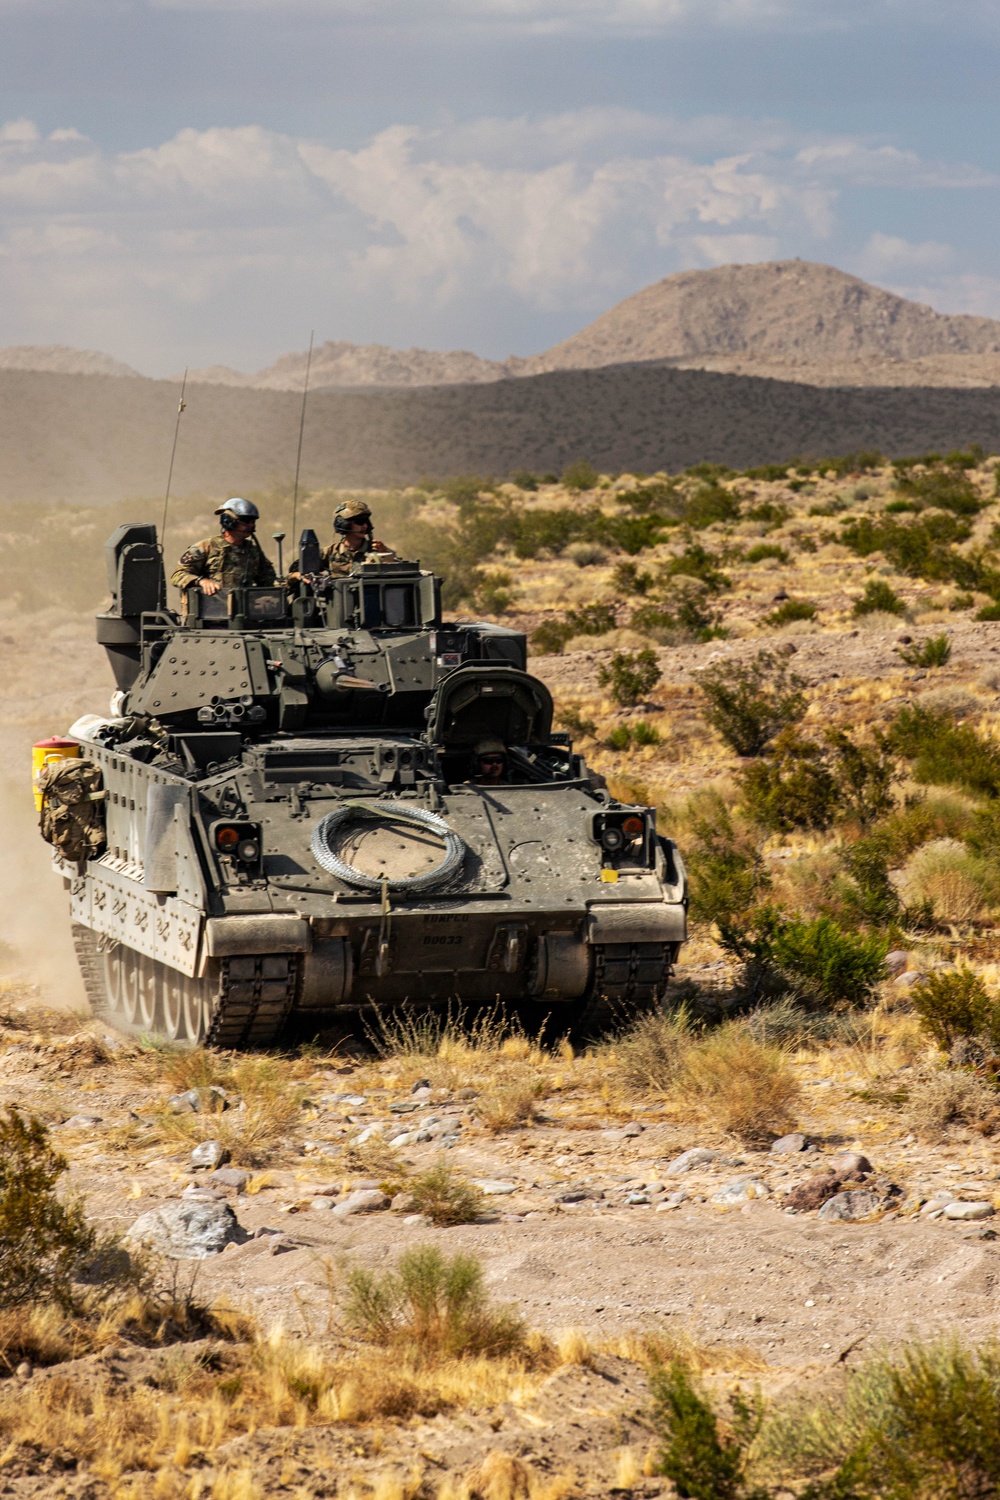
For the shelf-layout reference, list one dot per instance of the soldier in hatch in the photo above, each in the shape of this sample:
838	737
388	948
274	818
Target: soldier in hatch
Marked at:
231	560
354	541
489	762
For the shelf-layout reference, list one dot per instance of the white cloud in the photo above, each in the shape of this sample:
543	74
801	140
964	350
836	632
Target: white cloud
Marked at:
888	252
215	239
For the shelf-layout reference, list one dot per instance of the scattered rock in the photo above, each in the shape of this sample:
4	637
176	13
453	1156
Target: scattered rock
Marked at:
632	1129
24	1370
362	1201
212	1100
369	1133
420	1085
849	1161
740	1190
191	1229
404	1106
322	1204
962	1210
493	1188
673	1200
229	1177
697	1156
209	1154
636	1198
281	1246
912	976
813	1192
81	1122
789	1145
850	1206
184	1104
403	1203
897	962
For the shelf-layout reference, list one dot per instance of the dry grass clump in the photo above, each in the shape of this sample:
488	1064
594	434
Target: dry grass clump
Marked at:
511	1101
950	1096
435	1305
265	1111
747	1088
445	1197
649	1054
453	1049
960	887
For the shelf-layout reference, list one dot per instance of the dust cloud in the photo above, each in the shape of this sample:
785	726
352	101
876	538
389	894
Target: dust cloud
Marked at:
35	942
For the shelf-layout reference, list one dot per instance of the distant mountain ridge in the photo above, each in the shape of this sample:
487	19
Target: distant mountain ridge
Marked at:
790	320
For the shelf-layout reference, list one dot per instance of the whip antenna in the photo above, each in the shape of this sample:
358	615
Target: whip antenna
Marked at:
302	428
173	454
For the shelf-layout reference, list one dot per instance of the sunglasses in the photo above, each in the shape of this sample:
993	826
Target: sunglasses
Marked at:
491	760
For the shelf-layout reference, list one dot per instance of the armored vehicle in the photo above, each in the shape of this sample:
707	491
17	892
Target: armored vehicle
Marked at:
283	822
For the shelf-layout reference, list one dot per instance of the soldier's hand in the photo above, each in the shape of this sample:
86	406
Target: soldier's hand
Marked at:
209	586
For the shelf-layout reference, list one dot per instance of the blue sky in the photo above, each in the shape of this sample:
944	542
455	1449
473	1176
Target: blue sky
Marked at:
203	181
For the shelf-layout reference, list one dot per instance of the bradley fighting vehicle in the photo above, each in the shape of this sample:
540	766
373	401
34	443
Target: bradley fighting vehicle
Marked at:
287	828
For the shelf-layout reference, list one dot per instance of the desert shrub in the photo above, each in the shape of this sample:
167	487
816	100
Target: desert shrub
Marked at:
792	788
590	619
944	753
869	897
959	886
763	551
767	513
698	1460
444	1196
727	873
769	473
627	579
697	562
708	470
922	548
42	1239
936	815
950	1096
749	702
624	736
631	676
649	1053
580	475
525	480
493	593
934	652
828	964
954	1005
945	489
434	1304
571	716
632	534
534	531
709	504
790	611
879	598
684	618
586	554
510	1101
786	1023
865	774
749	1088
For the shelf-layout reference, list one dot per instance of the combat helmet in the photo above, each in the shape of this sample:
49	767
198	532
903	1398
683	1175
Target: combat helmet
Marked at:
237	509
348	511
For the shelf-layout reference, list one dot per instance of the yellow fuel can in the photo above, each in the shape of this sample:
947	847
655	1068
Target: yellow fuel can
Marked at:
44	752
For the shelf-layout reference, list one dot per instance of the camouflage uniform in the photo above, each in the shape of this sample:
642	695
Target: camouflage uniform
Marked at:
340	558
232	565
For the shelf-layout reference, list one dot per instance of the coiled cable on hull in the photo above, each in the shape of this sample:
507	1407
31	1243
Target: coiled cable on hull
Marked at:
381	813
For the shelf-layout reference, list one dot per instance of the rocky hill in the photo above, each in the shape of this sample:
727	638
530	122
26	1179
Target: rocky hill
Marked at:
57	359
338	363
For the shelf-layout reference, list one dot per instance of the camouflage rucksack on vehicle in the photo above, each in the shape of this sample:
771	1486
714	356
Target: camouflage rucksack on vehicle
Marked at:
72	819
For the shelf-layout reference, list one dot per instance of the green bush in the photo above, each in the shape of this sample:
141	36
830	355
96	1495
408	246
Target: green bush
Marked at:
989	611
627	579
686	619
793	788
696	1458
822	960
493	593
445	1197
934	652
790	611
944	753
580	475
709	504
525	480
535	531
945	489
879	598
633	534
769	473
591	619
869	896
921	549
624	736
767	513
466	489
865	775
631	676
728	875
696	562
42	1239
762	551
662	497
435	1304
570	715
750	702
956	1004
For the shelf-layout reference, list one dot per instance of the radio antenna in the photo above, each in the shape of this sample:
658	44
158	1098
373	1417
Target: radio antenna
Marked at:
173	454
302	428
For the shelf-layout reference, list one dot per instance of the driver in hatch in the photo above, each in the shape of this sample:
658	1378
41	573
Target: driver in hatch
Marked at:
489	763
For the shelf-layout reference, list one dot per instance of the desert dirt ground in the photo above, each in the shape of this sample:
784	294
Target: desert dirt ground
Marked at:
577	1229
